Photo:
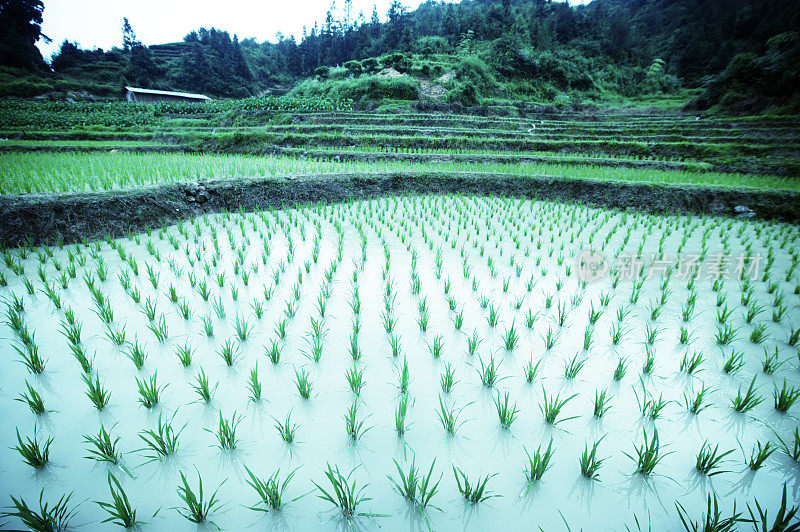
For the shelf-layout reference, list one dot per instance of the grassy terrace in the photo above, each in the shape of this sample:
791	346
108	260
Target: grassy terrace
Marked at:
75	172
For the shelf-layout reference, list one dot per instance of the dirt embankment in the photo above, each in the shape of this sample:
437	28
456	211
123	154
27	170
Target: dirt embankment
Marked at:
40	218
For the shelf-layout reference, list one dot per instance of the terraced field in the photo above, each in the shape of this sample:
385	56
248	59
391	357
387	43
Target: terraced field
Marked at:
307	319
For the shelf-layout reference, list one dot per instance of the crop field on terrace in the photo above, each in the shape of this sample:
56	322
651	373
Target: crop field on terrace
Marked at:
414	362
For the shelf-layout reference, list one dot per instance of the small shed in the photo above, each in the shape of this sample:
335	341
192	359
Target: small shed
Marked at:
136	94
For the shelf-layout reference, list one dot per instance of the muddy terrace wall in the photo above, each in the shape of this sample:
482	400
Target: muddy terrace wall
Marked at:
40	218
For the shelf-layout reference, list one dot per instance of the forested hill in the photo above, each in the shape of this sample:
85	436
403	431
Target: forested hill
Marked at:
742	53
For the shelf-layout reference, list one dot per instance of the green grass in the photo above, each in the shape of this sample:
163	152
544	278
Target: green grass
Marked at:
271	491
34	452
196	507
73	172
344	494
120	511
49	517
473	492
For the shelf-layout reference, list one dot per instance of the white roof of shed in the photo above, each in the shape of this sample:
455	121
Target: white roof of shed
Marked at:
168	93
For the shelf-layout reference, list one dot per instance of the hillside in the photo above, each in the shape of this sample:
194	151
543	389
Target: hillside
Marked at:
476	53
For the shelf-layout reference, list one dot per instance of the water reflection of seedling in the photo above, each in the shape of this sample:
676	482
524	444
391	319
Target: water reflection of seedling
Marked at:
710	460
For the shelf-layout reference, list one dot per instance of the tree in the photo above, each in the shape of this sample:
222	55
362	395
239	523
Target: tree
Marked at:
20	30
128	35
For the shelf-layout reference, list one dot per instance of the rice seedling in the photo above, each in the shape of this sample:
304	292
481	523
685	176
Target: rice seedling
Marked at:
489	373
448	416
120	511
437	347
783	521
159	329
710	460
149	391
620	370
590	464
226	432
712	521
344	494
415	487
697	403
34	452
473	342
601	403
287	430
303	383
447	379
354	350
733	363
102	448
531	370
354	427
648	454
229	353
552	407
203	388
537	466
242	327
400	416
162	441
98	395
274	352
184	354
47	518
690	364
650	407
785	397
271	491
394	343
759	455
793	450
404	377
196	509
726	334
253	385
649	361
771	362
510	338
31	359
473	493
573	367
34	400
748	401
355	379
506	413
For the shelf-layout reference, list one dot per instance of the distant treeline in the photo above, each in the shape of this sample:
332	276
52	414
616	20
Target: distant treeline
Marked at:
535	47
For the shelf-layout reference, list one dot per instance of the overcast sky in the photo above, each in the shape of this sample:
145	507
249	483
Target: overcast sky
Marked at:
98	23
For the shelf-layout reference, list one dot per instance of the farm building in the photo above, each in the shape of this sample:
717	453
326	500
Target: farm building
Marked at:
136	94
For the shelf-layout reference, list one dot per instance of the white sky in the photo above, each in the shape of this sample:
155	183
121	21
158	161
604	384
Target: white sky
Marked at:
98	23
